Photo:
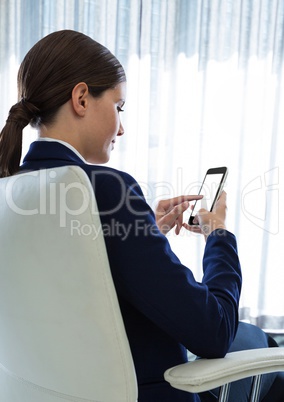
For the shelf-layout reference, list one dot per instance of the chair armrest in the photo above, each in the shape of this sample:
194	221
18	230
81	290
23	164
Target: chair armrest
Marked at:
206	374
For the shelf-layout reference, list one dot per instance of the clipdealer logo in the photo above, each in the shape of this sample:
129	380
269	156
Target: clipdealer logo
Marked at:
260	201
51	198
65	201
113	229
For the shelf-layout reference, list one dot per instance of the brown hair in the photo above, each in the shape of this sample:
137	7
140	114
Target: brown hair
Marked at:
46	78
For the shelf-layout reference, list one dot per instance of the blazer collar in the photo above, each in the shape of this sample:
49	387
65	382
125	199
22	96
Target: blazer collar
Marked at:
50	150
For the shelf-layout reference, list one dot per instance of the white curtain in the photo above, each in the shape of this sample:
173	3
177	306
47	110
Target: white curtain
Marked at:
205	89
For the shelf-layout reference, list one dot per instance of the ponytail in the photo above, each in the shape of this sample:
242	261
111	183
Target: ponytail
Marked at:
11	136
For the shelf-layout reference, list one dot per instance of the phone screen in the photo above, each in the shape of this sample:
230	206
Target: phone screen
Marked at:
211	188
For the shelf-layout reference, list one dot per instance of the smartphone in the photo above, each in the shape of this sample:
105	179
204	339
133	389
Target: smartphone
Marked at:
211	189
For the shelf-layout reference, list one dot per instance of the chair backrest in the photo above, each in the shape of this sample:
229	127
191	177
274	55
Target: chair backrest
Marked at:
62	336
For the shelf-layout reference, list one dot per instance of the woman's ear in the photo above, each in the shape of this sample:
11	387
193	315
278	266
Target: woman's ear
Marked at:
80	98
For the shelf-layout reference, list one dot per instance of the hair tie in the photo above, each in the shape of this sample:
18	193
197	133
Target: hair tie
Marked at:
22	113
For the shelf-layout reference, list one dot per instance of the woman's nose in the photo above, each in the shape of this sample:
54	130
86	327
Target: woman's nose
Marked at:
121	130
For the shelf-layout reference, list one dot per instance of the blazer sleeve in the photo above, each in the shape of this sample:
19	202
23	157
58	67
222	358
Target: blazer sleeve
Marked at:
149	275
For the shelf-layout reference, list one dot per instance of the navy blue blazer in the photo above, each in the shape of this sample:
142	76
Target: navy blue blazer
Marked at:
165	310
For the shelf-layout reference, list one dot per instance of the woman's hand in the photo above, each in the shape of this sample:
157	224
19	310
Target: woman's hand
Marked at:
169	213
209	221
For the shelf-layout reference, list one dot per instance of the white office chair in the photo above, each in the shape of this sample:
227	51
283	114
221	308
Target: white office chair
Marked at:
62	336
207	374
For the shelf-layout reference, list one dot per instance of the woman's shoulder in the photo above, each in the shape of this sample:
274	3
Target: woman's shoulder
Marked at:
105	174
115	189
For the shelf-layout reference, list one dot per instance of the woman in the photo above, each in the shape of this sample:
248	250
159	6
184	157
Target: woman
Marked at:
72	90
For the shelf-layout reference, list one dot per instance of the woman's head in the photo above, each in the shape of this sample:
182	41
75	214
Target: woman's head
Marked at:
46	78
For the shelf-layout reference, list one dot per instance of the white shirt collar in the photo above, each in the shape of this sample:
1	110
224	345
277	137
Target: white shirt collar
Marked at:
63	143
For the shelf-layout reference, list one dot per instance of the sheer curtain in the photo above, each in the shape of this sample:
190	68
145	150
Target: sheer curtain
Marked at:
205	89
